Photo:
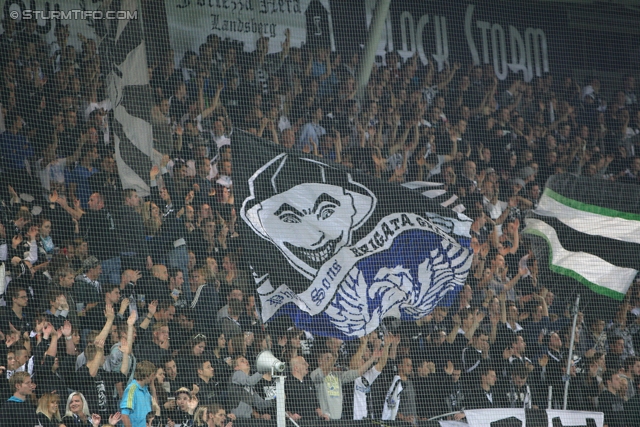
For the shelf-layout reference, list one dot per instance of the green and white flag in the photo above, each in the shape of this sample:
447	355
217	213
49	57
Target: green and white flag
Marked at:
592	229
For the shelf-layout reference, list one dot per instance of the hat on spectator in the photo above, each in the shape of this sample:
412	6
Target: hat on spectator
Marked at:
182	390
89	263
518	181
489	171
525	173
225	181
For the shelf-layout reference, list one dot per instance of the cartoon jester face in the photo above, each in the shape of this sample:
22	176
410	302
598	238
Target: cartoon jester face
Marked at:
308	221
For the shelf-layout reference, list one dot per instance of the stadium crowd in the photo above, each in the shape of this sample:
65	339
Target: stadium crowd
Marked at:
141	311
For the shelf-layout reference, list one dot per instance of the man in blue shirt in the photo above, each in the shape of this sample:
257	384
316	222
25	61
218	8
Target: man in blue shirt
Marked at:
136	400
312	131
15	150
78	179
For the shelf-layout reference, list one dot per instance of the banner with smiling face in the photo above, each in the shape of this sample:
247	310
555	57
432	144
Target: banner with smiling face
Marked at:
336	249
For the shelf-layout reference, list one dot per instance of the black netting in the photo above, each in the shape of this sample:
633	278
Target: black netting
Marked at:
293	212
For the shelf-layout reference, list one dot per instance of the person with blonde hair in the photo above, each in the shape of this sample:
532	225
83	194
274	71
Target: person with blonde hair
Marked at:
17	410
136	401
77	413
48	412
151	218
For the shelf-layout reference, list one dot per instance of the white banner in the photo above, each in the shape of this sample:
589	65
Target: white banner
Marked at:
575	418
484	417
245	21
81	16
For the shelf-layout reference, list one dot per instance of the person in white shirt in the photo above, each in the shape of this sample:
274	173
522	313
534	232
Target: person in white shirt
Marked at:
362	384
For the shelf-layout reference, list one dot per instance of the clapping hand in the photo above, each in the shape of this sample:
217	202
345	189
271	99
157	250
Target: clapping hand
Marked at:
66	328
115	418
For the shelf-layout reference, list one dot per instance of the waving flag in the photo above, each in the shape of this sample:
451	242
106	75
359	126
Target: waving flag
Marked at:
131	97
592	231
339	251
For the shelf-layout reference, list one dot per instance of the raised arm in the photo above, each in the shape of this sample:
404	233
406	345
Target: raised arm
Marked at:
382	362
126	351
452	72
454	331
49	332
356	359
366	365
216	100
95	364
110	314
516	278
153	306
454	148
68	338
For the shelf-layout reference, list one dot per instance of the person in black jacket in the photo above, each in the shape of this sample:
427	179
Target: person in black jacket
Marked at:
170	243
481	395
610	403
95	383
94	319
54	372
134	241
210	390
107	182
16	315
18	411
515	392
48	411
98	228
205	304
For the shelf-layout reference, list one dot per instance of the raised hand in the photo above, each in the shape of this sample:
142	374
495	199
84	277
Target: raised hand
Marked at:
449	369
11	340
66	328
124	304
456	320
193	404
115	418
15	241
153	307
133	316
543	361
47	330
109	313
13	193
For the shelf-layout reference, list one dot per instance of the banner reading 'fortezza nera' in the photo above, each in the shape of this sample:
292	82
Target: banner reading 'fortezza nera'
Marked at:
245	21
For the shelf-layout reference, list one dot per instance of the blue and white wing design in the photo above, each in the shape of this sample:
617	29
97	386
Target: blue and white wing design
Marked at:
408	281
349	310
